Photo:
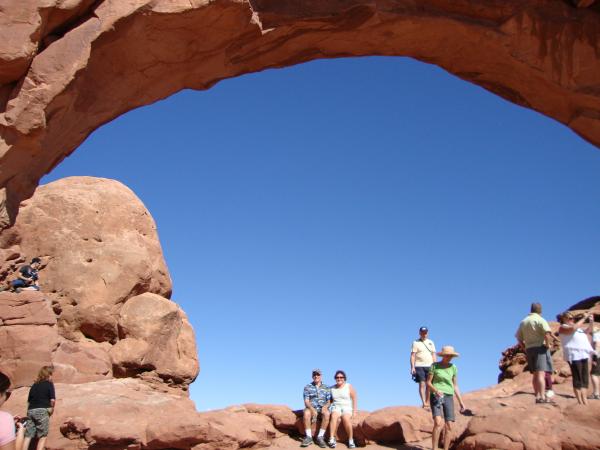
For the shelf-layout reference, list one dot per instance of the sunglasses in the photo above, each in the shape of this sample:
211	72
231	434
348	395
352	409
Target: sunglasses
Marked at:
340	378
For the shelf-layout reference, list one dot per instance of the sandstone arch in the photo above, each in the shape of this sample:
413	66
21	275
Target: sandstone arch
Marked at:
67	67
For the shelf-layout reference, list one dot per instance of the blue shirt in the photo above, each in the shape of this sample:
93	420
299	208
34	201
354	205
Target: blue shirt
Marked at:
318	396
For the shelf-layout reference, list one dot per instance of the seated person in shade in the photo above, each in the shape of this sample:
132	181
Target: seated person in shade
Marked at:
28	276
317	398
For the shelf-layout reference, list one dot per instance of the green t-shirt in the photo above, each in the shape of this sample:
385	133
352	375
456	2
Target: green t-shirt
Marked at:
442	378
532	330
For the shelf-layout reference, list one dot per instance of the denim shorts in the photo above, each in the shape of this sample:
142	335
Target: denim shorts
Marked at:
443	405
421	374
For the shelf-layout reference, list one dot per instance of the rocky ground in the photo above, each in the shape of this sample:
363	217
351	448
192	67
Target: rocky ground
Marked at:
125	354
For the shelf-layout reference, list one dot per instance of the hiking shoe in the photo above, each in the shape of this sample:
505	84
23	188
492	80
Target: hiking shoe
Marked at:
351	445
540	400
331	443
321	442
306	441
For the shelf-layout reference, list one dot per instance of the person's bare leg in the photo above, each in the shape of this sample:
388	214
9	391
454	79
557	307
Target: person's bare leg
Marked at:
325	415
447	435
422	393
539	384
307	418
438	424
347	422
41	445
333	424
596	384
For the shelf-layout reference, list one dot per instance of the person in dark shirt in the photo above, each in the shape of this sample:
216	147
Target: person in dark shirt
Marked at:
28	276
41	401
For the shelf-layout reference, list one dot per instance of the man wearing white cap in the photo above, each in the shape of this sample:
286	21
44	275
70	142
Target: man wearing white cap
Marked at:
422	356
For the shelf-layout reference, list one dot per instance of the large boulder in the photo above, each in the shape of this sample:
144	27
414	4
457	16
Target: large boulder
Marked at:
98	244
103	310
118	414
155	335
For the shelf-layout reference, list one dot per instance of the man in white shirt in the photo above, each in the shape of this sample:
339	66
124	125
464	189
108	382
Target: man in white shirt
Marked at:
422	356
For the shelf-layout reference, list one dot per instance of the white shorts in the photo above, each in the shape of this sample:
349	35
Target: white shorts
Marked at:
342	409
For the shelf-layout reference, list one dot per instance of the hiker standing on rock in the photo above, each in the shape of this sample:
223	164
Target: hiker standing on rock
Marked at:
443	386
576	351
40	407
534	336
422	355
317	398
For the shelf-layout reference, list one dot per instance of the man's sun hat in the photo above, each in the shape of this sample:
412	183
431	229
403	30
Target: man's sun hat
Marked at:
423	330
316	372
448	350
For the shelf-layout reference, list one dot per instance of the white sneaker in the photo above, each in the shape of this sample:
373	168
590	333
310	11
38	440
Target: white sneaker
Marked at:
549	393
331	443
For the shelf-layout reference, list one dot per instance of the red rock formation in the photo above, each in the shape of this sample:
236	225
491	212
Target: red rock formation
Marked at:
68	67
103	311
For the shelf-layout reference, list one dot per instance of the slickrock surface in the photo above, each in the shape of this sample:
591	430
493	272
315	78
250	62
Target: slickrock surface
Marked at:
125	354
67	67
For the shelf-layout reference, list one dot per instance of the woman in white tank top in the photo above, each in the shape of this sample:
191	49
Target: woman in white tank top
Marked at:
343	406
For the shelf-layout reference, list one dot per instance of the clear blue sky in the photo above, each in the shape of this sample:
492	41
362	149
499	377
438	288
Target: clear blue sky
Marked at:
316	216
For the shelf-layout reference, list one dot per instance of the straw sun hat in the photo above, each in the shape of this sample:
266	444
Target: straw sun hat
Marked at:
448	350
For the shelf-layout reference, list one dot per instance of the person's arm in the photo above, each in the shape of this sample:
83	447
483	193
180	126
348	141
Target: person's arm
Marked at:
307	400
457	393
8	446
430	383
413	356
519	336
548	338
354	398
52	398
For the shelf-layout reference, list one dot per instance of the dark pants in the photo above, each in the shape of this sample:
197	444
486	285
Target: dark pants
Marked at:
581	373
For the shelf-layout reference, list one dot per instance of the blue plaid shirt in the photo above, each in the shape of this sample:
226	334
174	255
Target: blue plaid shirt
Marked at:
317	395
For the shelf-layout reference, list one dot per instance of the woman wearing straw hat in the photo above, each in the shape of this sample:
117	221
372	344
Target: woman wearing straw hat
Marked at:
443	386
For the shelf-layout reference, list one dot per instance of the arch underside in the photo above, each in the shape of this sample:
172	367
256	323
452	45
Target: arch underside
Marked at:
66	68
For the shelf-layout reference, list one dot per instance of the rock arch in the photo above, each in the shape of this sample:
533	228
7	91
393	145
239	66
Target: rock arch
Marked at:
66	68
